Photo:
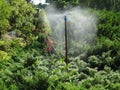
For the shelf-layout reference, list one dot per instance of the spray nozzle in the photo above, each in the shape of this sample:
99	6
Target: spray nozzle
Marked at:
65	18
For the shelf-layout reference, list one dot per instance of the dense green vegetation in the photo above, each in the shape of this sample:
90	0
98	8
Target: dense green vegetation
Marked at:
101	4
25	63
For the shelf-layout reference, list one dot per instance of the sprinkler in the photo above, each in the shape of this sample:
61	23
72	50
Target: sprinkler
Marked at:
66	41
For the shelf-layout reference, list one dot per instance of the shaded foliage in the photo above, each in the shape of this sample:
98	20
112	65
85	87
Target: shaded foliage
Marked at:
101	4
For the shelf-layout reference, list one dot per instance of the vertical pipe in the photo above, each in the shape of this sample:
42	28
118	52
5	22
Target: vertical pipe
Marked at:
66	40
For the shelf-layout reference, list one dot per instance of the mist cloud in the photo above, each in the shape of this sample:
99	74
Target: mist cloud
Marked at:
81	25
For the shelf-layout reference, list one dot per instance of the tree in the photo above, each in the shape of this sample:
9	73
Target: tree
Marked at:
100	4
5	12
22	18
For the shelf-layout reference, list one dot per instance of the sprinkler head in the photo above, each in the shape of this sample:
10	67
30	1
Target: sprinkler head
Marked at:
65	18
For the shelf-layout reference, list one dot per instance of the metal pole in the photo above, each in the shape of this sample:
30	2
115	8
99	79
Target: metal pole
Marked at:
66	40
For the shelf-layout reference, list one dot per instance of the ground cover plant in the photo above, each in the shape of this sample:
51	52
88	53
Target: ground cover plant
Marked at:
27	64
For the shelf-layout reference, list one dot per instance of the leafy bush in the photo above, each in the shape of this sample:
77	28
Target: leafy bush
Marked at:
25	65
4	56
